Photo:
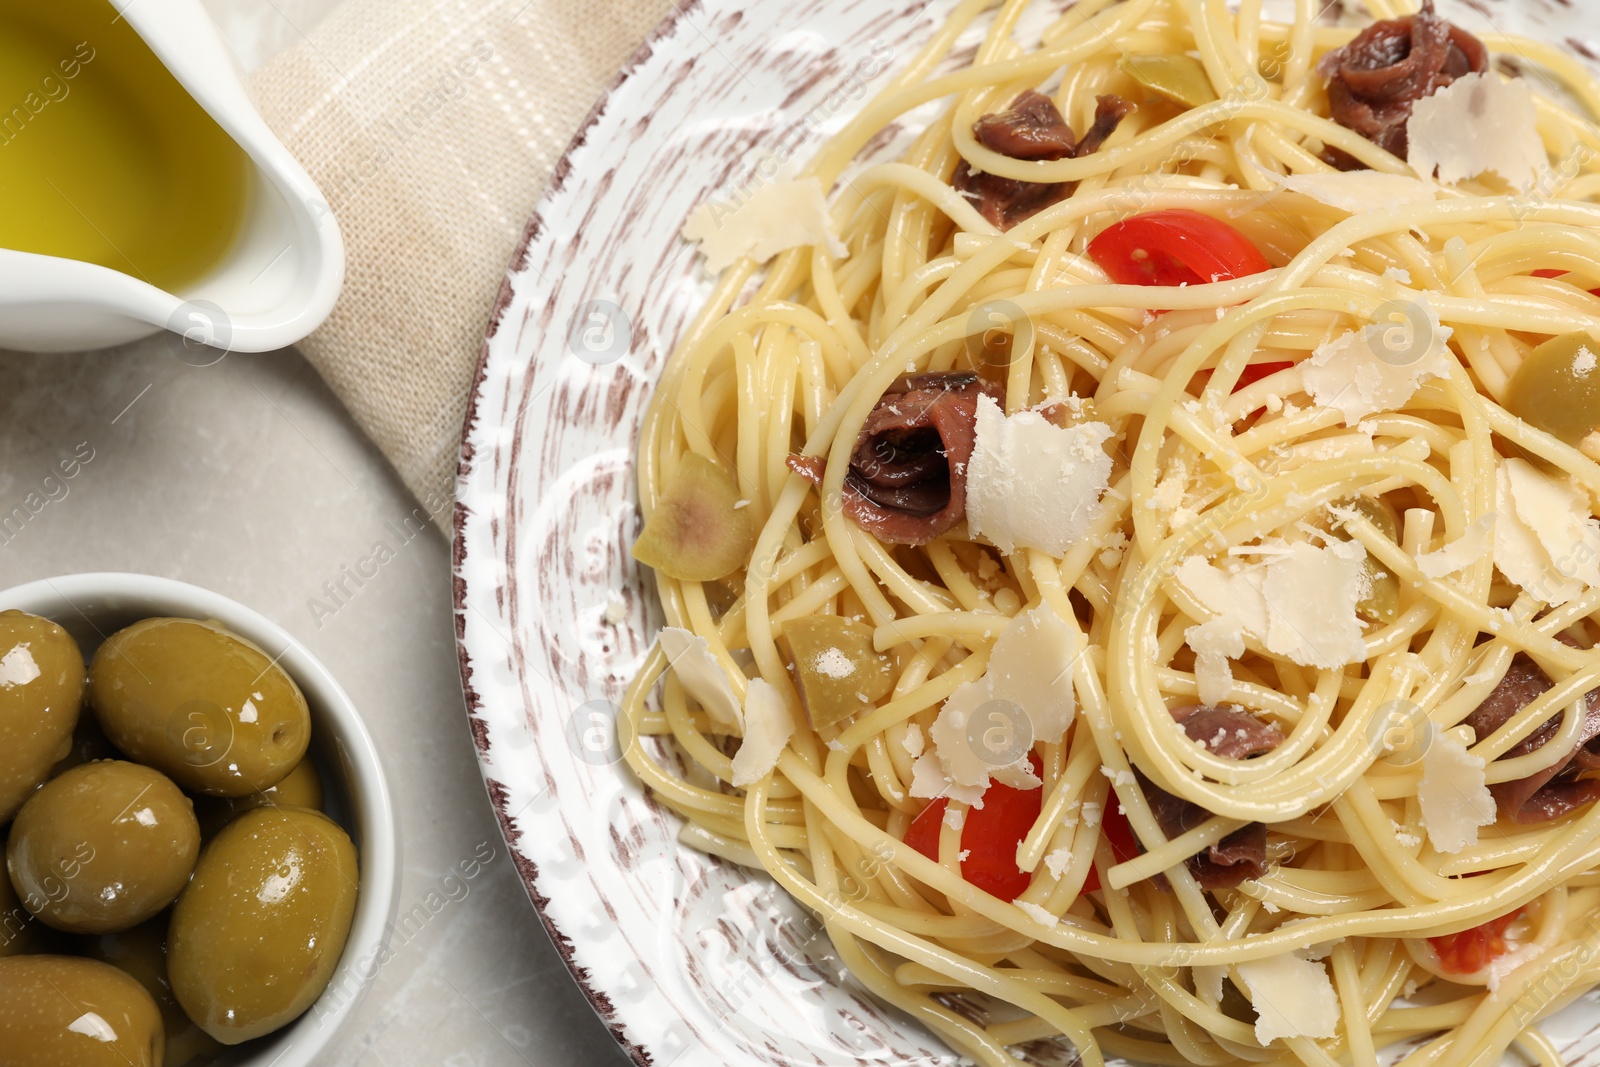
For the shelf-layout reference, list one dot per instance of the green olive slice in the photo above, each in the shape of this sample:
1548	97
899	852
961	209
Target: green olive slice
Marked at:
1179	78
1557	388
701	529
838	670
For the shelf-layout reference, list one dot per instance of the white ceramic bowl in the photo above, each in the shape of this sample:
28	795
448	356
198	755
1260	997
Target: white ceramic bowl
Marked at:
93	606
276	285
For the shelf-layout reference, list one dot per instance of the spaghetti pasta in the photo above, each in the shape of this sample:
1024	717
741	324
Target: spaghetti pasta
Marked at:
1254	678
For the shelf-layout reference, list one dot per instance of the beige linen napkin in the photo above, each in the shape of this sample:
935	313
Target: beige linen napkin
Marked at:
431	127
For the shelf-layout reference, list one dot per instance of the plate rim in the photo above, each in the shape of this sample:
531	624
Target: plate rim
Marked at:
527	870
605	1008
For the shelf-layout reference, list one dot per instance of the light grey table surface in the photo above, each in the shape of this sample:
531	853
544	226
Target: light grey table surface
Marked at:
248	477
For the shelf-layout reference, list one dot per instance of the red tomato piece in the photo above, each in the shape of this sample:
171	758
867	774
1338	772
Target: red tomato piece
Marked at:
990	836
1175	247
1472	950
992	833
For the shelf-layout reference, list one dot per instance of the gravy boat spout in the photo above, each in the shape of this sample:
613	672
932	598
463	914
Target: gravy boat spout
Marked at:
277	282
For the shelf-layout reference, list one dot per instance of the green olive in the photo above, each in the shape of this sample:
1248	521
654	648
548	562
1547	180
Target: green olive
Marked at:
700	529
142	953
256	936
202	705
60	1011
103	847
839	671
41	691
1180	78
1557	388
301	789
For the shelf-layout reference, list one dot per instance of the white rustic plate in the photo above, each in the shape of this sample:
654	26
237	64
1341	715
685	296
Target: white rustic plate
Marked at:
684	957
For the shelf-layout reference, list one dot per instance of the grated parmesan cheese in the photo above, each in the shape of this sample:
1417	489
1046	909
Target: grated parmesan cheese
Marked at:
1378	367
913	740
1476	124
1058	862
1037	914
1453	795
1293	997
1032	484
767	729
689	656
778	216
833	663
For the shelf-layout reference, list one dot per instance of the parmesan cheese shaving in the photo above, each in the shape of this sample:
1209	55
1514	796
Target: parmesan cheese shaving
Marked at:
1301	603
1214	644
1544	538
929	780
1476	124
1363	190
1379	367
1453	795
1558	515
690	658
1518	555
1030	667
768	725
1208	983
777	217
1032	484
1461	553
913	741
1293	997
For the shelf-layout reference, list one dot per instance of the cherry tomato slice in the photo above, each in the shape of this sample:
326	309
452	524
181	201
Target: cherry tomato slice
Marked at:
1550	272
989	836
1472	950
1175	247
992	833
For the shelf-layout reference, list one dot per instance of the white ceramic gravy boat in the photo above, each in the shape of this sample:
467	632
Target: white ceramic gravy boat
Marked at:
275	286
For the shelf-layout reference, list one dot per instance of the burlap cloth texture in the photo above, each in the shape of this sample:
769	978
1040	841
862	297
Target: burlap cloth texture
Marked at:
431	127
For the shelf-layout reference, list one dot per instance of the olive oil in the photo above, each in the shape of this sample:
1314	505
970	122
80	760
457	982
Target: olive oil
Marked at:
104	157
